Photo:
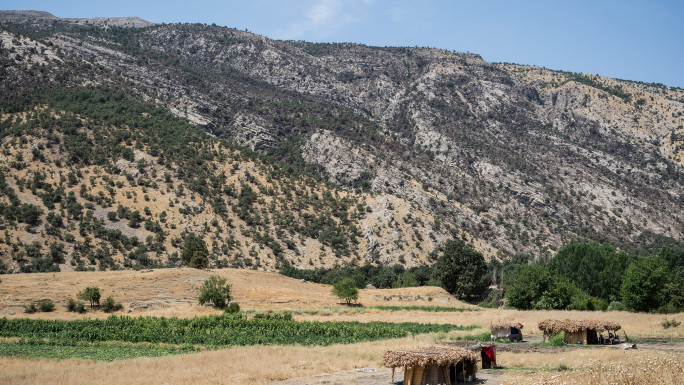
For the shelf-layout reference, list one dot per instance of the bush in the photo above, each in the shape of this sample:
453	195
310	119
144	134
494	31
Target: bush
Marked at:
109	305
667	309
46	305
216	291
673	323
71	305
346	289
80	307
616	306
30	308
90	294
557	340
233	308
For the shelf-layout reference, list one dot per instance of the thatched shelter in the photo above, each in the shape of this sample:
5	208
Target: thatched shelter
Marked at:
582	332
511	331
433	365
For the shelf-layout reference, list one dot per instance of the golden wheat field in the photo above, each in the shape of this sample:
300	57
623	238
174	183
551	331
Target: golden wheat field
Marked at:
173	292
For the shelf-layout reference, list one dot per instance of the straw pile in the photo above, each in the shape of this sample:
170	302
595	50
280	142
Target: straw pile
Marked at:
433	355
505	325
550	326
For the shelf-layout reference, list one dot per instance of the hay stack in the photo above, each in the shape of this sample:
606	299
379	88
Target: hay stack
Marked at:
505	325
433	355
553	327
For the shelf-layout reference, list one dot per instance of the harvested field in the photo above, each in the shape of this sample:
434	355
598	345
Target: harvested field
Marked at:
172	292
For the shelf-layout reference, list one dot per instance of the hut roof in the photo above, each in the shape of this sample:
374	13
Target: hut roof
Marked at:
428	355
505	325
556	326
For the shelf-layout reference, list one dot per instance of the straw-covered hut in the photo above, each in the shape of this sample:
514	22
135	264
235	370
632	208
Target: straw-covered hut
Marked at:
511	331
582	332
433	365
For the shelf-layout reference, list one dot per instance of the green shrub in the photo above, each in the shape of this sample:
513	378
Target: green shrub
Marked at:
46	305
616	306
30	308
109	305
80	307
557	340
71	305
673	323
216	291
667	309
233	308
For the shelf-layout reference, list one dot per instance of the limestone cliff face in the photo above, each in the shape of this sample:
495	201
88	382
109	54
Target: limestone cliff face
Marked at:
521	157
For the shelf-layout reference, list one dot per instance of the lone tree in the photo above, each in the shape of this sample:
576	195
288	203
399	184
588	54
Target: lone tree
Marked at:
462	270
195	253
346	289
90	294
216	291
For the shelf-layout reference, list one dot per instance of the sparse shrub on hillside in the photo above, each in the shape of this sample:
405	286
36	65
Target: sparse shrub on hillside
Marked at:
46	305
90	294
346	289
75	306
30	308
109	305
666	323
216	291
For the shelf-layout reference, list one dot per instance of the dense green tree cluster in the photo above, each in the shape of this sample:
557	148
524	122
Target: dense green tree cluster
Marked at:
591	276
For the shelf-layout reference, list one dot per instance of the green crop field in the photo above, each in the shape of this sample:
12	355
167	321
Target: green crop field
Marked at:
86	338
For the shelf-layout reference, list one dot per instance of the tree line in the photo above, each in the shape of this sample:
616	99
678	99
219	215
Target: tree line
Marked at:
580	276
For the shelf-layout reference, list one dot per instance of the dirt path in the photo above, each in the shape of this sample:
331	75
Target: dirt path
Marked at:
378	376
383	376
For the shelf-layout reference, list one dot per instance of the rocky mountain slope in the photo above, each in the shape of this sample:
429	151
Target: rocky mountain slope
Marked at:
522	158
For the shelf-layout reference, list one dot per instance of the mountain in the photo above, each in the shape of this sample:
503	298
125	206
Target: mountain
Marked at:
436	143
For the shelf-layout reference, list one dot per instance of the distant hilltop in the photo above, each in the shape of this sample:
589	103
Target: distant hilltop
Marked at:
18	16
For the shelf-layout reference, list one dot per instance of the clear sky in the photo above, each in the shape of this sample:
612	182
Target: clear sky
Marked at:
627	39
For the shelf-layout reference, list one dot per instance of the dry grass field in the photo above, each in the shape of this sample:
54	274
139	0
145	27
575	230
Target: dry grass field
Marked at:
173	292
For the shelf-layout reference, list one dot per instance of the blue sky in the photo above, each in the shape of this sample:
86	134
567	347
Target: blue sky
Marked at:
627	39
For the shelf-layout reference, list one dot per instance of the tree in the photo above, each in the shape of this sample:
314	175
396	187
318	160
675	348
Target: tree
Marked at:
346	289
643	287
462	270
216	291
90	294
406	280
595	268
195	253
525	286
